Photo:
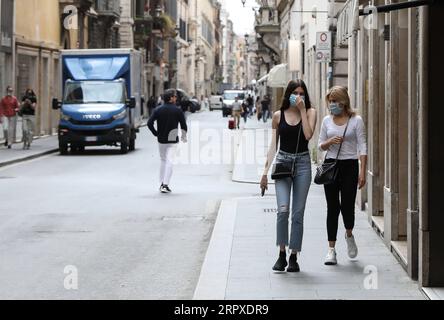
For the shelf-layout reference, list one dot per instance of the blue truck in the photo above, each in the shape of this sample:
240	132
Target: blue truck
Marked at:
102	99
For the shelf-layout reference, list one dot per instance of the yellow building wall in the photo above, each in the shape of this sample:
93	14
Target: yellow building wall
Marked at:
38	20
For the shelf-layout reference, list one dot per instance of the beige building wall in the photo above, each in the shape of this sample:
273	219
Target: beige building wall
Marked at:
126	31
185	61
205	70
38	20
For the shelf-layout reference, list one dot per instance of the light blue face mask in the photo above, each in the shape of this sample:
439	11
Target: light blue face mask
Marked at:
336	109
293	99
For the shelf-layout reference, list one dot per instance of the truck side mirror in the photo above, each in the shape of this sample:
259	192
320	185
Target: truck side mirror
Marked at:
56	104
131	103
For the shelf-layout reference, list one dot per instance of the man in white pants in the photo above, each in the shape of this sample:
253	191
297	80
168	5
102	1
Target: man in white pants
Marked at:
168	118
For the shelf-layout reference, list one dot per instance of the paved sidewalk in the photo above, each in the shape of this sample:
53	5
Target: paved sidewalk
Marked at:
40	147
256	138
242	252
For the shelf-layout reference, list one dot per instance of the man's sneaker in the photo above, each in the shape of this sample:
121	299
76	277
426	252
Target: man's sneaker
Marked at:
352	249
167	188
330	260
293	265
281	263
163	189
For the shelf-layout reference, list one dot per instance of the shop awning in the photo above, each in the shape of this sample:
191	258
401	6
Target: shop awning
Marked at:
262	80
278	76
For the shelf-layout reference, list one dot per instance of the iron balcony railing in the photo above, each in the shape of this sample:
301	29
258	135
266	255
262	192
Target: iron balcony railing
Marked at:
108	7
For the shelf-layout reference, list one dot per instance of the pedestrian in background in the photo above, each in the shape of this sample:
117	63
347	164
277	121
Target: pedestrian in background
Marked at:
258	108
237	112
27	111
265	103
293	127
250	105
9	106
168	118
343	130
245	111
152	104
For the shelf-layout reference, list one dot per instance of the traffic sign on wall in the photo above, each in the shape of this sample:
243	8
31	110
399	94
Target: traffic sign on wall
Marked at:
323	47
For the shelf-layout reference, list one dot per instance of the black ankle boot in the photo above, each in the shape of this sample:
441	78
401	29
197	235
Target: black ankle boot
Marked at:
281	263
293	265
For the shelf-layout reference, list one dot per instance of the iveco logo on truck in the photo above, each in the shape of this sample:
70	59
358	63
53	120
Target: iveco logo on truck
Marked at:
92	117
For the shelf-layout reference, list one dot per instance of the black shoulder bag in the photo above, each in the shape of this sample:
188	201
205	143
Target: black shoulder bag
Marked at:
284	170
326	173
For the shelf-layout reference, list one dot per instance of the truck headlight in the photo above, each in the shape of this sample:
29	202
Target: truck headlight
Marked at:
120	115
65	117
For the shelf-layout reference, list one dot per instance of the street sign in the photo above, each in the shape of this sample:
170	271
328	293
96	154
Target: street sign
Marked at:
323	47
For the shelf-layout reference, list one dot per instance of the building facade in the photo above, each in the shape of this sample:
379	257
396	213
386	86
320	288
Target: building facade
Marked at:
393	72
6	44
37	47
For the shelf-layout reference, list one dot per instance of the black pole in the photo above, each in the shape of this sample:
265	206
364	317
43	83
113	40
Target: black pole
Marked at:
397	6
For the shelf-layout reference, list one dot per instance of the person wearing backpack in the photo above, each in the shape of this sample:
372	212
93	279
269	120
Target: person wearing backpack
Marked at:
27	112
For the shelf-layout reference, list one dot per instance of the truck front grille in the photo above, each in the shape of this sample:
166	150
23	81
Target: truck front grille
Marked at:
91	123
89	133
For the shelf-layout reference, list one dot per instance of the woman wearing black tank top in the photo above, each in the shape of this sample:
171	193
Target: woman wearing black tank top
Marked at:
296	119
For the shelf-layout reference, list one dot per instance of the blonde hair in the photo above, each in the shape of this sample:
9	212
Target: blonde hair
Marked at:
340	95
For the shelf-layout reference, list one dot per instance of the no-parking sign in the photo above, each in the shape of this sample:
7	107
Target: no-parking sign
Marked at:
323	46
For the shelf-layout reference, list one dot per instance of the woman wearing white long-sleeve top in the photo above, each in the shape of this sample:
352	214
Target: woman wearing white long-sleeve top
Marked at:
352	167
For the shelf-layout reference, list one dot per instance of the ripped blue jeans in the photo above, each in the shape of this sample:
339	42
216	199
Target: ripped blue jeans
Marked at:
300	185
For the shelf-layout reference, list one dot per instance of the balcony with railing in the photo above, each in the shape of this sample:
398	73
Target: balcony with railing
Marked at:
268	29
110	8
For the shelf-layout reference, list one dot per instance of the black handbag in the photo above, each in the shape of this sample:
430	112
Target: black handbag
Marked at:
285	170
327	172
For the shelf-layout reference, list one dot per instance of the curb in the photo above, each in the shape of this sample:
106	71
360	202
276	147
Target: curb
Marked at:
214	273
34	156
432	293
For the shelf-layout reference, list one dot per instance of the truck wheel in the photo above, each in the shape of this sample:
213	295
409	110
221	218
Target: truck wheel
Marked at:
132	144
63	148
124	147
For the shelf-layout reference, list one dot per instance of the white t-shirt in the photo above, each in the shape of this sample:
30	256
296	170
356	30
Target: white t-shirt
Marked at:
355	141
237	106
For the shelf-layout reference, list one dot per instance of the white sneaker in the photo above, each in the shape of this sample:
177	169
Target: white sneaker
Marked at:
352	249
330	260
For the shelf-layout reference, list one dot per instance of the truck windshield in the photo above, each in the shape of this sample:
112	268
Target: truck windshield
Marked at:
233	95
94	92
